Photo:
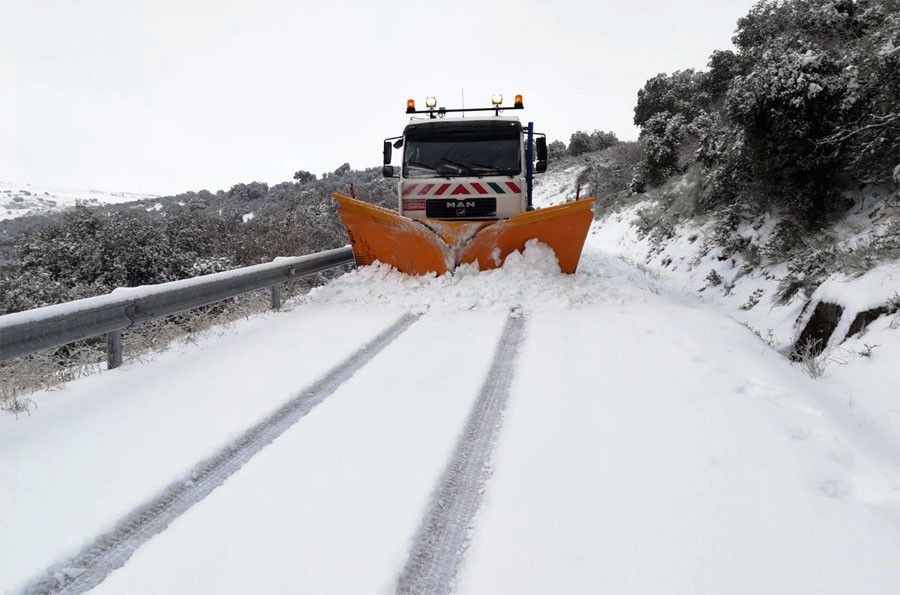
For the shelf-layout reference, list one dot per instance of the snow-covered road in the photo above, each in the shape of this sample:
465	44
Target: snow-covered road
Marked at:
99	447
649	445
664	450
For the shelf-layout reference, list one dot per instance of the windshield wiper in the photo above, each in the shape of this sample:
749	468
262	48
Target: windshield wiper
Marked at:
496	170
458	164
421	165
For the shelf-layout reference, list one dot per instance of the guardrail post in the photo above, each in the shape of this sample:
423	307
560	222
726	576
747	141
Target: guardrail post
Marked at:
276	296
114	349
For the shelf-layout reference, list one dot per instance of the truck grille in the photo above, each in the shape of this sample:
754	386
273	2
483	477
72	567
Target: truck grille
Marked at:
461	208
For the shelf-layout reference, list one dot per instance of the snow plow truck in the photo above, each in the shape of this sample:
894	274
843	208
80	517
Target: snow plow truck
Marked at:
465	189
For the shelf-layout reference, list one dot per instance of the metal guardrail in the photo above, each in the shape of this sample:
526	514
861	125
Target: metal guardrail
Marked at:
25	332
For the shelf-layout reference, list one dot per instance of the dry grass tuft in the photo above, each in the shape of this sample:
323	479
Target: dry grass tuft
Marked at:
50	368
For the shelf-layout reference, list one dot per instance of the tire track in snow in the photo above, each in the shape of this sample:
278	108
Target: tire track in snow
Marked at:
443	536
111	550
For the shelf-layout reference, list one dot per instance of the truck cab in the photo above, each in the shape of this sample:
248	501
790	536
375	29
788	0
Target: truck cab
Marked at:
458	168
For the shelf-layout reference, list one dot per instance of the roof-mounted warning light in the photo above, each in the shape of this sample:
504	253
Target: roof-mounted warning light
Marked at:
439	112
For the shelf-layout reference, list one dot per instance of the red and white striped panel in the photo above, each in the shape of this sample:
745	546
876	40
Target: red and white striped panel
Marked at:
434	189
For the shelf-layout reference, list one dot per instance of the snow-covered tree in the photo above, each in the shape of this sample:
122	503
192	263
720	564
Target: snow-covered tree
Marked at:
583	142
303	176
807	105
681	92
249	192
556	149
579	143
661	137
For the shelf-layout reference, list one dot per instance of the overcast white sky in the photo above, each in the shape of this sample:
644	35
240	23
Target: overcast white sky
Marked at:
163	96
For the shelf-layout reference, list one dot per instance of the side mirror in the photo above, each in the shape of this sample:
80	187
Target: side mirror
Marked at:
540	149
387	152
387	171
541	166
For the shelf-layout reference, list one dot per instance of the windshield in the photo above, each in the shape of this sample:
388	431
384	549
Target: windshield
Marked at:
490	149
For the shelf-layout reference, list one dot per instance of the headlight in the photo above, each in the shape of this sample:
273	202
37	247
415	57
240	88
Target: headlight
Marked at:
430	102
496	98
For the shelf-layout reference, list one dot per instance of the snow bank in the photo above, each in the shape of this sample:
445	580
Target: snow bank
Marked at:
558	186
530	279
692	263
874	289
856	294
862	368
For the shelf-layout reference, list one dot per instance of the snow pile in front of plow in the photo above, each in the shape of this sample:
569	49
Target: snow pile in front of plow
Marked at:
530	279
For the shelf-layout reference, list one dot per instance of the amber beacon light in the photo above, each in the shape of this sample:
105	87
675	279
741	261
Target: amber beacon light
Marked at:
410	106
518	102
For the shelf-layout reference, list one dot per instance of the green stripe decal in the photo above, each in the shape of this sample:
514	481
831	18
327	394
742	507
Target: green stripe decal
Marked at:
496	187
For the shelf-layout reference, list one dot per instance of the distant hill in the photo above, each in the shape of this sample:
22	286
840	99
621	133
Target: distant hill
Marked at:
22	199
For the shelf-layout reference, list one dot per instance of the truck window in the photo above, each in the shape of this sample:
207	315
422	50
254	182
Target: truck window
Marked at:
461	150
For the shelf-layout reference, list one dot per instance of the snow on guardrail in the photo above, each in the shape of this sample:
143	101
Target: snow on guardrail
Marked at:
25	332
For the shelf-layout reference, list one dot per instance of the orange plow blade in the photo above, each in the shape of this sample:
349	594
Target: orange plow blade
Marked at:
434	246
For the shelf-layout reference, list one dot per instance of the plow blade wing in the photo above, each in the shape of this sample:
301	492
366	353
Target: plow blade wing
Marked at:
383	235
562	227
430	245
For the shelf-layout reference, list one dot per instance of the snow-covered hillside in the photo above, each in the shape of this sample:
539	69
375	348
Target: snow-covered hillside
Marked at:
18	200
691	262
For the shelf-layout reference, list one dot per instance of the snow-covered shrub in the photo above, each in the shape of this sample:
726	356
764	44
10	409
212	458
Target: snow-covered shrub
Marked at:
871	60
342	170
249	192
807	105
714	278
198	234
681	93
90	251
583	142
720	150
638	183
85	254
666	108
723	65
661	139
782	110
609	176
556	150
656	223
208	266
302	176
